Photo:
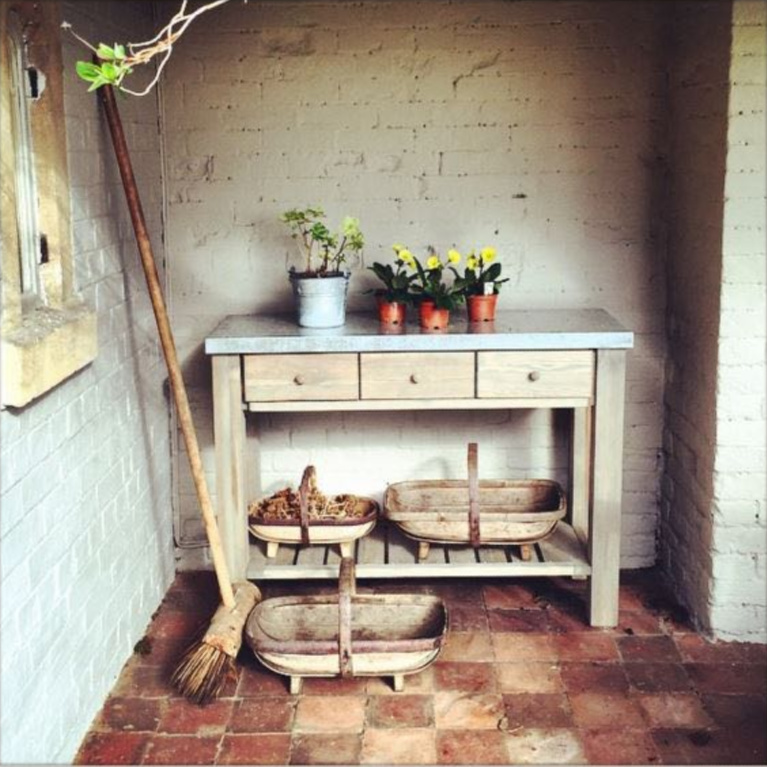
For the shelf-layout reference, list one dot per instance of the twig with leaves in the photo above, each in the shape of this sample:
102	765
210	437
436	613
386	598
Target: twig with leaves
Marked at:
118	61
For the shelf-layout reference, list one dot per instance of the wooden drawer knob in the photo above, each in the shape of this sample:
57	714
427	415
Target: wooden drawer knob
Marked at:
299	380
414	378
533	375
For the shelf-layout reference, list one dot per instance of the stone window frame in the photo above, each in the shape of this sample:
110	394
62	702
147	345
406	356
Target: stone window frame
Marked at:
49	335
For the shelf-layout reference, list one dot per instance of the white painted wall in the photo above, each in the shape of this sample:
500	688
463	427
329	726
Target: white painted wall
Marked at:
86	539
713	544
739	573
533	126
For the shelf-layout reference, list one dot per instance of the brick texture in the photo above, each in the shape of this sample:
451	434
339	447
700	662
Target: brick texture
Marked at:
531	126
713	511
86	530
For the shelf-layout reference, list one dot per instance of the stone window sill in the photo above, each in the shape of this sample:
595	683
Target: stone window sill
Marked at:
47	347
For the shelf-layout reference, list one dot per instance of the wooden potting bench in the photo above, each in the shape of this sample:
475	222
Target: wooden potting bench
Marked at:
573	360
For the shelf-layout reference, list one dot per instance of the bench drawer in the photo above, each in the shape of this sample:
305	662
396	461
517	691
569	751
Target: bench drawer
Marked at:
300	377
417	375
547	374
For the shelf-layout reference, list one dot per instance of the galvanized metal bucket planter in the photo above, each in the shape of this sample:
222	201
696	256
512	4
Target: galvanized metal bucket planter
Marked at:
348	635
320	301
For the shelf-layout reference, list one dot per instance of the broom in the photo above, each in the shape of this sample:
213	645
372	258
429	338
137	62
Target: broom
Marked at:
206	666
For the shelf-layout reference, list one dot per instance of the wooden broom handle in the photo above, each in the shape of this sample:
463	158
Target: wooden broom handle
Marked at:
474	534
178	389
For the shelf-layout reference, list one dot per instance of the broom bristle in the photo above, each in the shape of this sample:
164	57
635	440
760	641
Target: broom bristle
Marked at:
203	672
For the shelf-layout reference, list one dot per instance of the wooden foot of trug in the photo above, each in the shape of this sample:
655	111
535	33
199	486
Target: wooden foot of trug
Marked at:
423	550
272	547
347	549
296	683
399	682
526	552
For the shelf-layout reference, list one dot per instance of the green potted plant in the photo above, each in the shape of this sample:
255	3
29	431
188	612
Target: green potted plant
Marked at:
480	284
434	296
320	283
393	298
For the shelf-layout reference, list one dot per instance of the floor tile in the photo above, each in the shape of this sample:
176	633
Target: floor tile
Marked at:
334	686
471	747
648	649
468	646
420	683
408	746
510	596
326	748
112	748
515	648
256	680
593	709
692	746
594	677
400	711
658	677
462	711
619	745
698	649
315	714
727	678
466	677
585	646
131	714
264	714
545	746
527	710
181	749
183	717
262	748
633	623
528	677
674	710
468	617
518	620
138	681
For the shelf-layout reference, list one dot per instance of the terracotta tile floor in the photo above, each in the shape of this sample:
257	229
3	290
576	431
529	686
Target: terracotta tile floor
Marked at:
523	679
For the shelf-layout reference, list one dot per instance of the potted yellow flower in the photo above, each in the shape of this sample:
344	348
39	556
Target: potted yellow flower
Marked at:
480	284
393	298
434	296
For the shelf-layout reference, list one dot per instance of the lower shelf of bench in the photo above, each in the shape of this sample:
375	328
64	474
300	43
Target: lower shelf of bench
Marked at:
387	553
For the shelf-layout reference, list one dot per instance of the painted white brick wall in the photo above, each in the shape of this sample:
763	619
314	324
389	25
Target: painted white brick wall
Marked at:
534	126
86	549
713	512
738	596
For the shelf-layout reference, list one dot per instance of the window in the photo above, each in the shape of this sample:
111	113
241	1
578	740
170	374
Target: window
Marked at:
47	333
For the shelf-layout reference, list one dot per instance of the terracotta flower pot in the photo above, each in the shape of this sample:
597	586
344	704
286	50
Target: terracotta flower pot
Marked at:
482	308
391	312
431	317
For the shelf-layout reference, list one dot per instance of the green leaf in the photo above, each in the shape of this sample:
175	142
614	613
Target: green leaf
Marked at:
119	51
109	72
87	70
105	52
493	272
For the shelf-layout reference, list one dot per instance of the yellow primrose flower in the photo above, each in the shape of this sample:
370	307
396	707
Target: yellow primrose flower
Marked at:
453	256
488	254
472	262
397	248
433	262
405	255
